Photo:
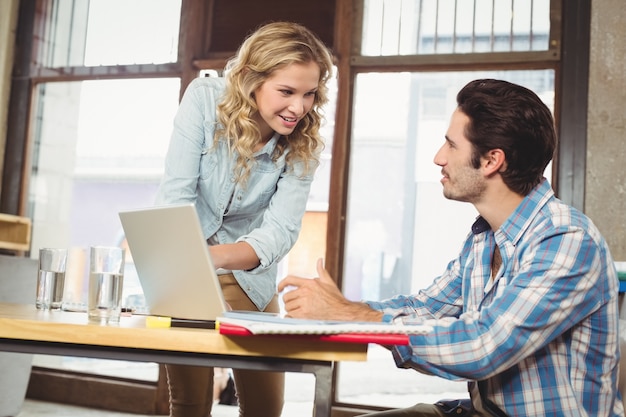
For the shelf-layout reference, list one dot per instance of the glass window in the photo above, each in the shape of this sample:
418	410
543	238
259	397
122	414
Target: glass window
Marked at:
401	232
415	27
99	149
111	32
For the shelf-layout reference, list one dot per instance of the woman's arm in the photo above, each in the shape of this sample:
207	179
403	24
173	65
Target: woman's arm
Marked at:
238	255
282	219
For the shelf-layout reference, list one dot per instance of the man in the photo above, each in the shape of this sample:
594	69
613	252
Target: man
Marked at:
527	313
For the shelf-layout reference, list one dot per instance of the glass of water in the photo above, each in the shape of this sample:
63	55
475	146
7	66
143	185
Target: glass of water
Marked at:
51	278
106	281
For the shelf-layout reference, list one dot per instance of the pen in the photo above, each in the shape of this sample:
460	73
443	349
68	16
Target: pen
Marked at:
198	324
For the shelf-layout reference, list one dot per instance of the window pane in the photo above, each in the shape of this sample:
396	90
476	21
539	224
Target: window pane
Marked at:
413	27
401	232
99	149
111	32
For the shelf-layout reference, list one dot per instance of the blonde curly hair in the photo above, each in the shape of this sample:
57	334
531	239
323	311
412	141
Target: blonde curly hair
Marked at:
270	48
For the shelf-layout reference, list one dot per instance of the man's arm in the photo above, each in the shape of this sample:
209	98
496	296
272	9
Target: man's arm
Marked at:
320	298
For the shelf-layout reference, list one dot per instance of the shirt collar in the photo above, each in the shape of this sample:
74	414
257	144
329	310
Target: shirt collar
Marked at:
515	225
269	146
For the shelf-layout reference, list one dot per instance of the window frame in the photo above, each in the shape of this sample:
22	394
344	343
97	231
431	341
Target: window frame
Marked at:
568	56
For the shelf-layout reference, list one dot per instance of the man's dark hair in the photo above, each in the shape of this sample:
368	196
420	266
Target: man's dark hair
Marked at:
510	117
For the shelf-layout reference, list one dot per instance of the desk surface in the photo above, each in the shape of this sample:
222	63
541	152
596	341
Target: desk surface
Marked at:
24	322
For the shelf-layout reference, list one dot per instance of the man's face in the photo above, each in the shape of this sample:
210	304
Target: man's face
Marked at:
460	180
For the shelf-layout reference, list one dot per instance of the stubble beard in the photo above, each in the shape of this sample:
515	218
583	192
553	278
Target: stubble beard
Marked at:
466	185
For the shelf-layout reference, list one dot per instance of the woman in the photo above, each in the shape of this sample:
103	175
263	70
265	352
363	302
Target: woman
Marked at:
244	149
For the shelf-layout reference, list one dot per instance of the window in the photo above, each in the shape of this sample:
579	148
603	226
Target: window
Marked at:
400	231
411	58
110	32
99	145
100	149
416	27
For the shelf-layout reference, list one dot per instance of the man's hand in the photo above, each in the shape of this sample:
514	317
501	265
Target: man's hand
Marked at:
320	298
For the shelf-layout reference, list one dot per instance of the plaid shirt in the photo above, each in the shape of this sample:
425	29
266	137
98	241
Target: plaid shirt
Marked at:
542	335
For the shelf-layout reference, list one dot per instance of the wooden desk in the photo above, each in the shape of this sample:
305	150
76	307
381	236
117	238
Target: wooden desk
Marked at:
27	330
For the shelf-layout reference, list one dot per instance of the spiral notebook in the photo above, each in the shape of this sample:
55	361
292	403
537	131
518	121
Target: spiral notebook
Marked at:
236	323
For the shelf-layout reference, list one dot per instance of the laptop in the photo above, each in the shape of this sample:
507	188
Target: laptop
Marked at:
173	262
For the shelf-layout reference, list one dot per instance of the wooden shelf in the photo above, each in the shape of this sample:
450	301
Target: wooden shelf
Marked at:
14	232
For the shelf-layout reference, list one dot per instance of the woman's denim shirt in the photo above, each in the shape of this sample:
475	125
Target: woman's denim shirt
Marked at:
266	211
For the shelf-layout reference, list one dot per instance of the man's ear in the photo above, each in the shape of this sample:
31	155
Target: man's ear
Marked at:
494	161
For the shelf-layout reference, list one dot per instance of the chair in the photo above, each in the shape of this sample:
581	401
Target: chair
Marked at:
18	277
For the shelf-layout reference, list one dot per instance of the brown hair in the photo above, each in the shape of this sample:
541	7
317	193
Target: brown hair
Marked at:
510	117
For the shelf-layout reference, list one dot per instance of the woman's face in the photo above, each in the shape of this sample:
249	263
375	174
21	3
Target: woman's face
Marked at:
285	98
